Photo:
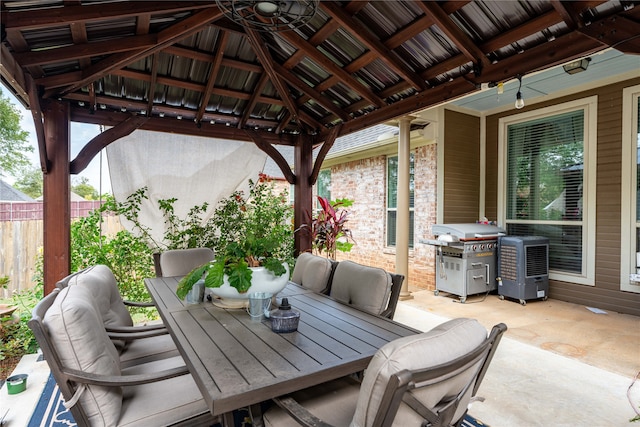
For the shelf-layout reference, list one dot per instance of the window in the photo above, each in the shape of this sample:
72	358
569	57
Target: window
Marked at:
547	179
392	199
630	201
323	185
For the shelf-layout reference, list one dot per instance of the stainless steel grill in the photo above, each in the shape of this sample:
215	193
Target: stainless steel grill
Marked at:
466	258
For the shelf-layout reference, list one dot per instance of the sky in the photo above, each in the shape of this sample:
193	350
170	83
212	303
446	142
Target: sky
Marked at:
81	134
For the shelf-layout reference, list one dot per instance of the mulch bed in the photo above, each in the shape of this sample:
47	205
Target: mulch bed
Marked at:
7	366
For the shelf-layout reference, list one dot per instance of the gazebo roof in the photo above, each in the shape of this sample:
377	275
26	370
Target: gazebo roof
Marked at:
182	66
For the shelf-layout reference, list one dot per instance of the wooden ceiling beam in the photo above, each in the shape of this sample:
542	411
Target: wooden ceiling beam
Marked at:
186	127
151	91
58	16
79	36
221	45
253	99
267	62
207	58
311	92
454	33
359	32
178	31
537	24
331	67
102	140
84	50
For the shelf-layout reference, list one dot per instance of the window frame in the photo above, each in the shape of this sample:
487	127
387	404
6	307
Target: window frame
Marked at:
589	106
628	201
388	209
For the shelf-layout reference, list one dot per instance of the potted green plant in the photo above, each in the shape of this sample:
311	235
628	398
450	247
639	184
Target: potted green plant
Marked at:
252	234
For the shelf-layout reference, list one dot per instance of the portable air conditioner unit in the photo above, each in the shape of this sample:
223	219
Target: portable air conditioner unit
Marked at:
523	268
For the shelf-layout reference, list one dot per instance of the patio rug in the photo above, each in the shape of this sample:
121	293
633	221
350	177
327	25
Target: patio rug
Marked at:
50	411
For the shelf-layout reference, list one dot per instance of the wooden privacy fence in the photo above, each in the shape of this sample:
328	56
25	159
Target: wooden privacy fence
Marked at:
21	239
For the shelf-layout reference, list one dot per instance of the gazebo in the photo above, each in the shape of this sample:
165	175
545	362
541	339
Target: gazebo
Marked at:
297	73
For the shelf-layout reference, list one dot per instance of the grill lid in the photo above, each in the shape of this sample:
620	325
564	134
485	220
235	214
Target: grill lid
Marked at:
470	231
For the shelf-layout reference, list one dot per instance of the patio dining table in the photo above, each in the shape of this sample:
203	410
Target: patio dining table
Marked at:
238	362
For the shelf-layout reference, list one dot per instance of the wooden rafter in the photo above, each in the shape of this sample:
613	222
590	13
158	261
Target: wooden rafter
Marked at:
253	99
85	50
311	92
55	17
459	38
165	37
267	62
314	54
221	43
373	44
152	84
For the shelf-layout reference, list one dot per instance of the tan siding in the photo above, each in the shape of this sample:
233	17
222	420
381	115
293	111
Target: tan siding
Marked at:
461	167
606	293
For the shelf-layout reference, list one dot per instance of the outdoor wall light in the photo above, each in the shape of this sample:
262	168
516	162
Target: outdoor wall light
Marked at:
519	100
576	66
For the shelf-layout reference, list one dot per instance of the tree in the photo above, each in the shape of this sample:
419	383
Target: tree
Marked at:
82	188
13	140
30	182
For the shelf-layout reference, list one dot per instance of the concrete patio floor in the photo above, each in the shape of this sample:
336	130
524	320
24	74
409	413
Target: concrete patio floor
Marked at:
559	364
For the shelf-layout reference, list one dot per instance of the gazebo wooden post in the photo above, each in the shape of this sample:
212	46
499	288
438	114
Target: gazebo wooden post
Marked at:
56	194
303	193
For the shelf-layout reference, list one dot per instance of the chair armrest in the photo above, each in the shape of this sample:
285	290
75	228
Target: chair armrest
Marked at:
123	380
134	329
299	412
131	336
138	303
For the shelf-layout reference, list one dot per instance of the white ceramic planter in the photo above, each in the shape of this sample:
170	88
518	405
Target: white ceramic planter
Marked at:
262	280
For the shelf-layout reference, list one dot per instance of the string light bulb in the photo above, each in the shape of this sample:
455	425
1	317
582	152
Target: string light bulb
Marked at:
519	104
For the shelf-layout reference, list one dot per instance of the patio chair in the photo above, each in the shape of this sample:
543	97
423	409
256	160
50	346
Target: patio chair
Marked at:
314	272
99	392
371	289
136	344
422	380
179	262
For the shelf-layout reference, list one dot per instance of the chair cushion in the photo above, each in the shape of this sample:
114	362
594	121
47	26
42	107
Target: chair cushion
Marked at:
443	343
144	350
367	288
165	402
102	283
179	262
78	335
312	272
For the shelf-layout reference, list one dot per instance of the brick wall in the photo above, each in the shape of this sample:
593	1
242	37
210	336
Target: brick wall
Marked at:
364	181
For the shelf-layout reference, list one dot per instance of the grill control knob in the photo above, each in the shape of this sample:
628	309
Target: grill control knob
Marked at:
475	248
482	247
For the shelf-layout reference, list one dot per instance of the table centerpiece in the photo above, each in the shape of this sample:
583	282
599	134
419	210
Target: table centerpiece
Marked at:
253	244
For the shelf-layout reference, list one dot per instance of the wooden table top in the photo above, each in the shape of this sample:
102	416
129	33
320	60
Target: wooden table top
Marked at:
238	362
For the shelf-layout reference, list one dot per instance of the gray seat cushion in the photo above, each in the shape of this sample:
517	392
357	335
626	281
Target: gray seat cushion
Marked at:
441	344
367	288
344	402
101	282
77	332
312	272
